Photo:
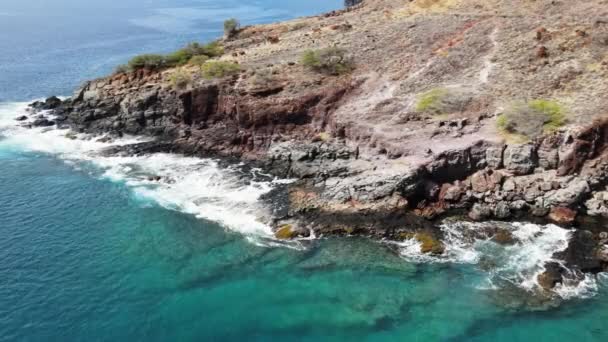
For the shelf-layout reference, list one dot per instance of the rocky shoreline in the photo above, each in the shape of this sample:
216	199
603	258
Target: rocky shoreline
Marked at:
365	159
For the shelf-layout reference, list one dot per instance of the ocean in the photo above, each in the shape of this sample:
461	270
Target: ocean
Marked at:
91	249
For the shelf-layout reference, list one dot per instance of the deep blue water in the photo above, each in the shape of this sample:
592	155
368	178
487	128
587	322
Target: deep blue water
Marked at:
88	252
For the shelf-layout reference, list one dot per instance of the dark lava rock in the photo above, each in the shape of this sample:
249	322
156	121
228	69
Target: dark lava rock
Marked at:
21	118
552	275
43	122
52	102
581	253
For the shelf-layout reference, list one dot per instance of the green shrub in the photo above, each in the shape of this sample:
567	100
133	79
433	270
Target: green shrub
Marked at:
261	78
177	58
180	79
213	49
149	61
332	60
532	119
231	27
185	54
219	69
198	60
431	101
441	101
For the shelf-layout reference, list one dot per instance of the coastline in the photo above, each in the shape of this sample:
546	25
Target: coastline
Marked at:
351	182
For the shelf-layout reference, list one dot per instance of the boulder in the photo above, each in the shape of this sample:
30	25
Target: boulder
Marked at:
502	210
562	215
602	254
43	122
581	253
598	204
288	232
480	212
520	159
569	195
52	102
494	156
429	244
551	276
548	155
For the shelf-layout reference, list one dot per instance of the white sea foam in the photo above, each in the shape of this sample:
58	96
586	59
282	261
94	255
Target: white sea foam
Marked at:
518	264
201	187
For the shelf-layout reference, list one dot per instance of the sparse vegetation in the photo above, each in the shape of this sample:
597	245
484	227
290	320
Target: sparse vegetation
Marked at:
431	101
262	77
202	52
147	61
532	119
332	60
180	79
231	27
198	60
440	101
219	69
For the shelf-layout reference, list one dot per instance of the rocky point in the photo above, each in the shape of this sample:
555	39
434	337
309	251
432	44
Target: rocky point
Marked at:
411	134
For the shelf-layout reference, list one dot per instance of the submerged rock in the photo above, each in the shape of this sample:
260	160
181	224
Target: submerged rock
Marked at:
288	232
504	237
429	244
551	276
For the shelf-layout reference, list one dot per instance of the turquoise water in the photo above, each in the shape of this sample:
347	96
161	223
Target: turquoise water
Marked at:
85	259
90	250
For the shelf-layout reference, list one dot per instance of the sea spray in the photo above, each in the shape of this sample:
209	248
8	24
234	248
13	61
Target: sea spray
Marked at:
517	264
229	195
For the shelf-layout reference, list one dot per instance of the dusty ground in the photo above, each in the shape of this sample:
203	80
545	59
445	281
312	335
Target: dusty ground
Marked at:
485	51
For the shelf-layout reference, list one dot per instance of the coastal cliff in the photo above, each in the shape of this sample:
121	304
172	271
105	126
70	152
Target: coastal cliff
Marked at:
489	109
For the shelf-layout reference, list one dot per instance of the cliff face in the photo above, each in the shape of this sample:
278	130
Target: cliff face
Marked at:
413	131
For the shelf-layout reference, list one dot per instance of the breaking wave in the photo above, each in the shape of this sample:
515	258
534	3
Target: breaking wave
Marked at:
517	263
228	195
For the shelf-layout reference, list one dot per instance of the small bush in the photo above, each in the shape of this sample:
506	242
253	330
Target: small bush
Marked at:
185	54
219	69
261	78
431	101
532	119
231	27
333	61
180	79
198	60
440	101
177	58
213	49
149	61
